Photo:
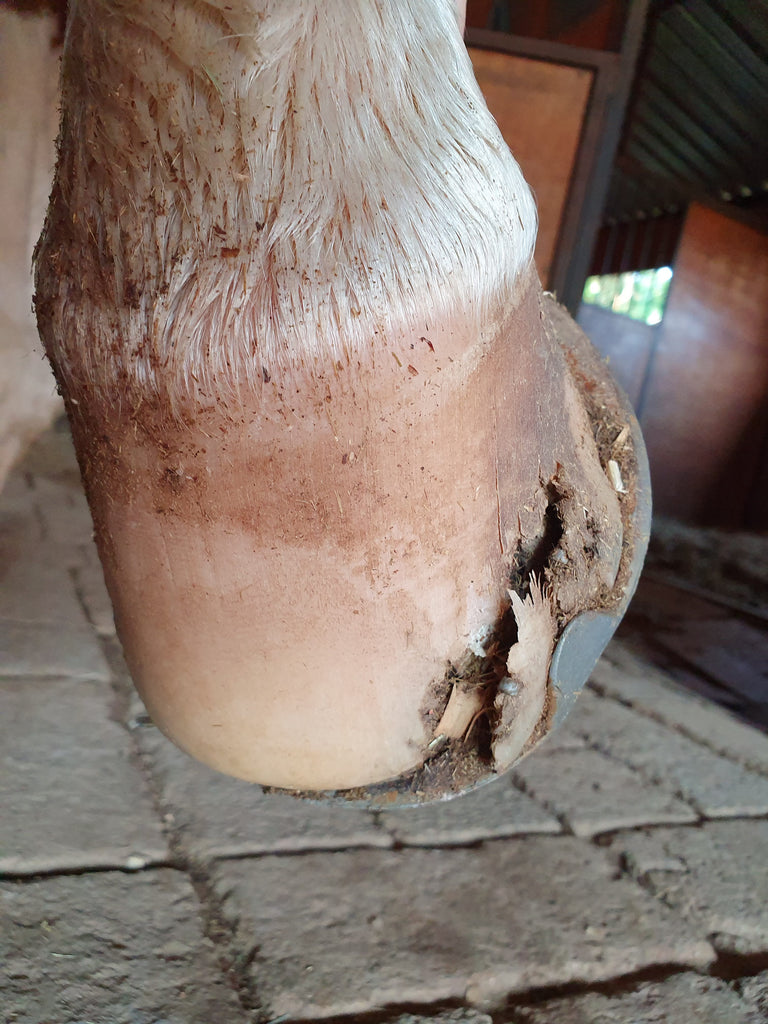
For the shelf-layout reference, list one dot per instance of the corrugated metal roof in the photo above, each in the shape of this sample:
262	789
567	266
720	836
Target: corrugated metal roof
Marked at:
697	126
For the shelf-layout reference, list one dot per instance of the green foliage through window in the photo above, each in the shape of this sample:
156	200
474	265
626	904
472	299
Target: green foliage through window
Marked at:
641	295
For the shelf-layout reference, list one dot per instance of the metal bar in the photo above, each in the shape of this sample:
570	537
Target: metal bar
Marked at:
681	168
542	49
681	90
754	216
692	64
749	21
661	108
650	161
678	142
722	49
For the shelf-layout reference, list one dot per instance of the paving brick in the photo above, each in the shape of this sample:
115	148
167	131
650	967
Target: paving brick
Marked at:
18	514
43	628
70	796
35	586
493	811
562	738
623	676
52	454
682	999
754	992
64	510
596	794
715	876
109	948
335	933
50	649
718	787
216	816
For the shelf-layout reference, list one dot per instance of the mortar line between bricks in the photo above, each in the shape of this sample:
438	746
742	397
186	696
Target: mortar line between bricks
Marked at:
398	846
377	818
20	620
180	861
229	856
739	966
659	782
520	785
402	845
619	985
705	819
45	533
74	575
600	835
647	778
213	925
61	676
603	692
222	931
726	966
507	1010
43	874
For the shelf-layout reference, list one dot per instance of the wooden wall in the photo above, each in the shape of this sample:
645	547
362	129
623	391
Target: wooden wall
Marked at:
591	23
539	108
705	415
699	380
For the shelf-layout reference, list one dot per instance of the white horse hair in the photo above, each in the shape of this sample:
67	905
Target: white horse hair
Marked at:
249	187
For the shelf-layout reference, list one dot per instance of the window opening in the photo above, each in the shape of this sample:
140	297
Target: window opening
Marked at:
641	295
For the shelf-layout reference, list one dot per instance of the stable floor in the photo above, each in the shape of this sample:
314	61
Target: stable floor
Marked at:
616	875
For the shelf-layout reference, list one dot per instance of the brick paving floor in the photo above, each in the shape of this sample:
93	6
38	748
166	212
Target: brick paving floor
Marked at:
617	876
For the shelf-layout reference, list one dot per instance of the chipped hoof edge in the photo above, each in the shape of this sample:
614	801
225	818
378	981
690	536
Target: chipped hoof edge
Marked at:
583	639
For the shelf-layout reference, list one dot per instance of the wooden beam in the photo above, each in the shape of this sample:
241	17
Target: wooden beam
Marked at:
591	177
541	49
601	131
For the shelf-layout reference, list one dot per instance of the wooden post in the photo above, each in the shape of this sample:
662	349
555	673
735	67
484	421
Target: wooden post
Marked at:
601	131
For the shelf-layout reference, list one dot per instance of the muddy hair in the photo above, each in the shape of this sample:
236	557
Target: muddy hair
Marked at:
250	188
